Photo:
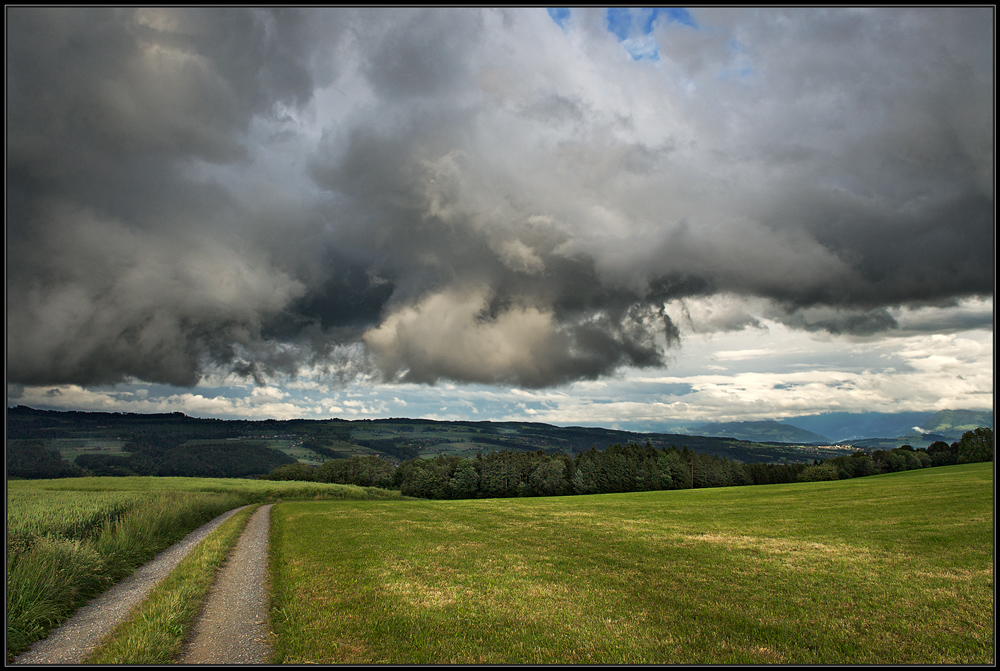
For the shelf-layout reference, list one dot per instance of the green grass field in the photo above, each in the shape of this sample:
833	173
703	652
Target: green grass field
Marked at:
889	569
71	448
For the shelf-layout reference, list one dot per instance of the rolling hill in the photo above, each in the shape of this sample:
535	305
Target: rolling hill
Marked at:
145	444
768	431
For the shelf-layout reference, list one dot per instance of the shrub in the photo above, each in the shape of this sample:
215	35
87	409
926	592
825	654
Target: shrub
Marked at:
819	473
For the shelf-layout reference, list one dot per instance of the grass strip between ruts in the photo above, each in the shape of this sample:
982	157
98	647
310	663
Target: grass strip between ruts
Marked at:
156	630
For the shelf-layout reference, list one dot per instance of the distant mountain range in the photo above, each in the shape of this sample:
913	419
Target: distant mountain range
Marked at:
840	426
958	421
868	429
946	425
769	431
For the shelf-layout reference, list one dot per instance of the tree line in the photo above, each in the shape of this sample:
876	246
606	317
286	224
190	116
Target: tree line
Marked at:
619	468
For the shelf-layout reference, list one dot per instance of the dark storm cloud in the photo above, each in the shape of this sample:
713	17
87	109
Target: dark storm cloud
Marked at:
853	323
118	264
892	114
477	195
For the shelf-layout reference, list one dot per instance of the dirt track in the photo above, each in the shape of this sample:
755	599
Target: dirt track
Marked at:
246	605
234	625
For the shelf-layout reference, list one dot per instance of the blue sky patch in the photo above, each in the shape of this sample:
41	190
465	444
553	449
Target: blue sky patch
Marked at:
622	19
679	15
560	15
634	27
620	22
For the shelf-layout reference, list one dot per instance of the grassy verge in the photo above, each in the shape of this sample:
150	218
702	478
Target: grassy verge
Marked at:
890	569
156	631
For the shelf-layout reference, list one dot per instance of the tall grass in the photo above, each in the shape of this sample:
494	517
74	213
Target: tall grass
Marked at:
891	569
251	491
69	514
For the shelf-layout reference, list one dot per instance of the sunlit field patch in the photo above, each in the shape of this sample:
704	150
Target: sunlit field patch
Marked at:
886	569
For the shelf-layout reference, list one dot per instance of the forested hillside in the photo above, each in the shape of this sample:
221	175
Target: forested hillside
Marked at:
45	443
49	444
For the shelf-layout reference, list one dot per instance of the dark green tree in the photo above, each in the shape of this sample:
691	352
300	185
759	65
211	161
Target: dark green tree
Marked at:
818	473
31	459
976	446
464	484
303	472
943	454
549	477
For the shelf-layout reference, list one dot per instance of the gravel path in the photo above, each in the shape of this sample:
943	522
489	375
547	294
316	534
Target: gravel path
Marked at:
75	638
234	625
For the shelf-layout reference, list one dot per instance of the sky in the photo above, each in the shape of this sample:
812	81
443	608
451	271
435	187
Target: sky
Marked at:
630	218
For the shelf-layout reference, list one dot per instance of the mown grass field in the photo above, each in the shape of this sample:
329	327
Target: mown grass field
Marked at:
889	569
71	448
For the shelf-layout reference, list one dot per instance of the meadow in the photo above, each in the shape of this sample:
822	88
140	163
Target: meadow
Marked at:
893	569
72	538
887	569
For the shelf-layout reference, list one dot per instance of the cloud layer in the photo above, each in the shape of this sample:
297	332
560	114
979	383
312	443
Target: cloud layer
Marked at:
488	196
